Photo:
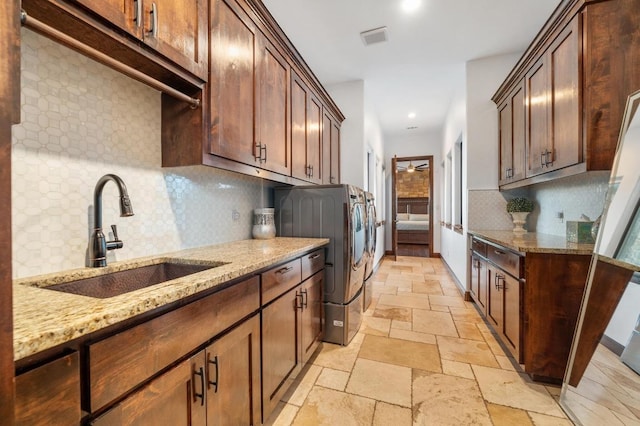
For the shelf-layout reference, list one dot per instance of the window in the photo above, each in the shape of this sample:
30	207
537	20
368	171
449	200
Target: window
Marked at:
457	185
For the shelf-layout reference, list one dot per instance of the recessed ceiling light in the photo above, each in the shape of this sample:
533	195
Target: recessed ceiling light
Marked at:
412	127
410	5
412	115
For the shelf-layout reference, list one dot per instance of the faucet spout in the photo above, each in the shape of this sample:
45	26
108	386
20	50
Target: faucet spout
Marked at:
98	245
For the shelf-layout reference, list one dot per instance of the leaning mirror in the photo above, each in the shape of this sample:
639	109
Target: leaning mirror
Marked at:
602	380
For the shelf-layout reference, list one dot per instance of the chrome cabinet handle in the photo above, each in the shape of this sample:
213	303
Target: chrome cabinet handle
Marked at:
154	20
499	252
497	280
542	159
137	18
304	295
315	256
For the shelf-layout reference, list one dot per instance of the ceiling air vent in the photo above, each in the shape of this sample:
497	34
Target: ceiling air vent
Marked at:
412	127
376	35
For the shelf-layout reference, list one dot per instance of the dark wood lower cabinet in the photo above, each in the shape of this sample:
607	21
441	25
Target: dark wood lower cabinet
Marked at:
49	394
233	376
312	327
535	315
175	398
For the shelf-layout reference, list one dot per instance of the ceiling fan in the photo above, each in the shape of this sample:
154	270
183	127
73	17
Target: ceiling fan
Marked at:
411	168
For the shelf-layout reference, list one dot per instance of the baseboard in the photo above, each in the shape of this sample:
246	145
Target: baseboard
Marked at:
612	345
436	255
388	252
463	289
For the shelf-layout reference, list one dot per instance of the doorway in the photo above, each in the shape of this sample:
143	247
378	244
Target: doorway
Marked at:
412	206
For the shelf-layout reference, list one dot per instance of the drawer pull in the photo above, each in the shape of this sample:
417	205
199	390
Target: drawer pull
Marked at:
499	252
497	280
315	256
197	395
284	270
211	382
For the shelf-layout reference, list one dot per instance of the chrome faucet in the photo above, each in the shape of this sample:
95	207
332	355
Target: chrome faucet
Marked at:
98	244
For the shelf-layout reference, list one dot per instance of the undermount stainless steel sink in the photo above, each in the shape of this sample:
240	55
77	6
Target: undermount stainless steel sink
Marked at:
117	283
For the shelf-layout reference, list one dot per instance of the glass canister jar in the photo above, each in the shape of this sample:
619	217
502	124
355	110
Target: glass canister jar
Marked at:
264	224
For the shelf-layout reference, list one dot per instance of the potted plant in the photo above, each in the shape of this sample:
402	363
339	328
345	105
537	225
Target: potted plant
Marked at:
519	208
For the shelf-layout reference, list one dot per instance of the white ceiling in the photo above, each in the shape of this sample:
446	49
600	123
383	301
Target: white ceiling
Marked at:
421	66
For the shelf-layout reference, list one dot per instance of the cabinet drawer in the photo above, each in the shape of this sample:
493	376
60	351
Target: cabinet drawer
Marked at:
50	394
119	363
507	260
479	247
312	263
278	280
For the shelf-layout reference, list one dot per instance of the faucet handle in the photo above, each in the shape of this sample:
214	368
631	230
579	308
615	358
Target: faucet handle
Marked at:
114	228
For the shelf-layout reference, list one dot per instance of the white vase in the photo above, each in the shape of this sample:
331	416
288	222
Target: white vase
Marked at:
519	219
264	225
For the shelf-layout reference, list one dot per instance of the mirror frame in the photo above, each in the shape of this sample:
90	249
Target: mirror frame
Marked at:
606	282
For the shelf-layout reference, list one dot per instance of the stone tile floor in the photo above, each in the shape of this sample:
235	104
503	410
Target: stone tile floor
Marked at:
423	356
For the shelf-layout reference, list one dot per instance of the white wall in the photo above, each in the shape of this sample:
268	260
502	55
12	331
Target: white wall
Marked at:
625	316
360	135
411	144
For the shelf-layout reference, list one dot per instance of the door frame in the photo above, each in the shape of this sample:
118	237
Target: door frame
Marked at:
394	200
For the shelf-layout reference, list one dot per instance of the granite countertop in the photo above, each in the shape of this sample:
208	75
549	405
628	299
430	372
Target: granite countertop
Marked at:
533	242
44	318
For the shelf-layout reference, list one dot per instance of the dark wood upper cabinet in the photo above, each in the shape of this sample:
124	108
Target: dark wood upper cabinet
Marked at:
233	79
306	136
175	28
334	176
573	104
314	138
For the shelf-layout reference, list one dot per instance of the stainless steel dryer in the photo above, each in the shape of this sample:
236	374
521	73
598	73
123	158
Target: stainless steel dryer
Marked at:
336	212
371	234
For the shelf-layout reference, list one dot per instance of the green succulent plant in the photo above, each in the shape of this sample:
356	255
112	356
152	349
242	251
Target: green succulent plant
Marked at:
519	204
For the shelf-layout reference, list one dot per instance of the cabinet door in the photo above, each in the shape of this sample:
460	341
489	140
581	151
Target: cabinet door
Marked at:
299	93
280	347
335	153
519	132
327	124
314	139
537	117
272	92
233	376
495	307
511	314
479	282
311	328
50	394
178	30
232	83
175	398
126	14
505	115
564	57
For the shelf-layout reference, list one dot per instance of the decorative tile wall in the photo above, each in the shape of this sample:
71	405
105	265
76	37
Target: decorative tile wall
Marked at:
81	120
488	210
573	196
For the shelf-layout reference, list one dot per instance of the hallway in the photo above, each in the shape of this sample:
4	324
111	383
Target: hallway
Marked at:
423	356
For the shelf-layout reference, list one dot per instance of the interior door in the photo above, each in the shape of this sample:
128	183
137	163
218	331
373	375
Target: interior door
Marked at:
394	207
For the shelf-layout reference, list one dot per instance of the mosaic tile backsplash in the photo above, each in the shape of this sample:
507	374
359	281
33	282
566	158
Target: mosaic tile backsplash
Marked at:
81	120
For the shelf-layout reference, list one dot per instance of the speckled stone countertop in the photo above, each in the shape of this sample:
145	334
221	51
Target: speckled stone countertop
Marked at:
532	242
45	318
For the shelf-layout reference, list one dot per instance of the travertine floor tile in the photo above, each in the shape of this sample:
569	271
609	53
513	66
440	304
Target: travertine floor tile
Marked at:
511	389
444	400
427	287
404	301
453	301
544	420
301	387
387	414
393	313
413	336
401	352
375	326
439	308
333	379
438	323
469	351
599	394
458	369
453	292
381	381
338	357
400	325
282	415
507	416
330	407
469	330
465	315
505	362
